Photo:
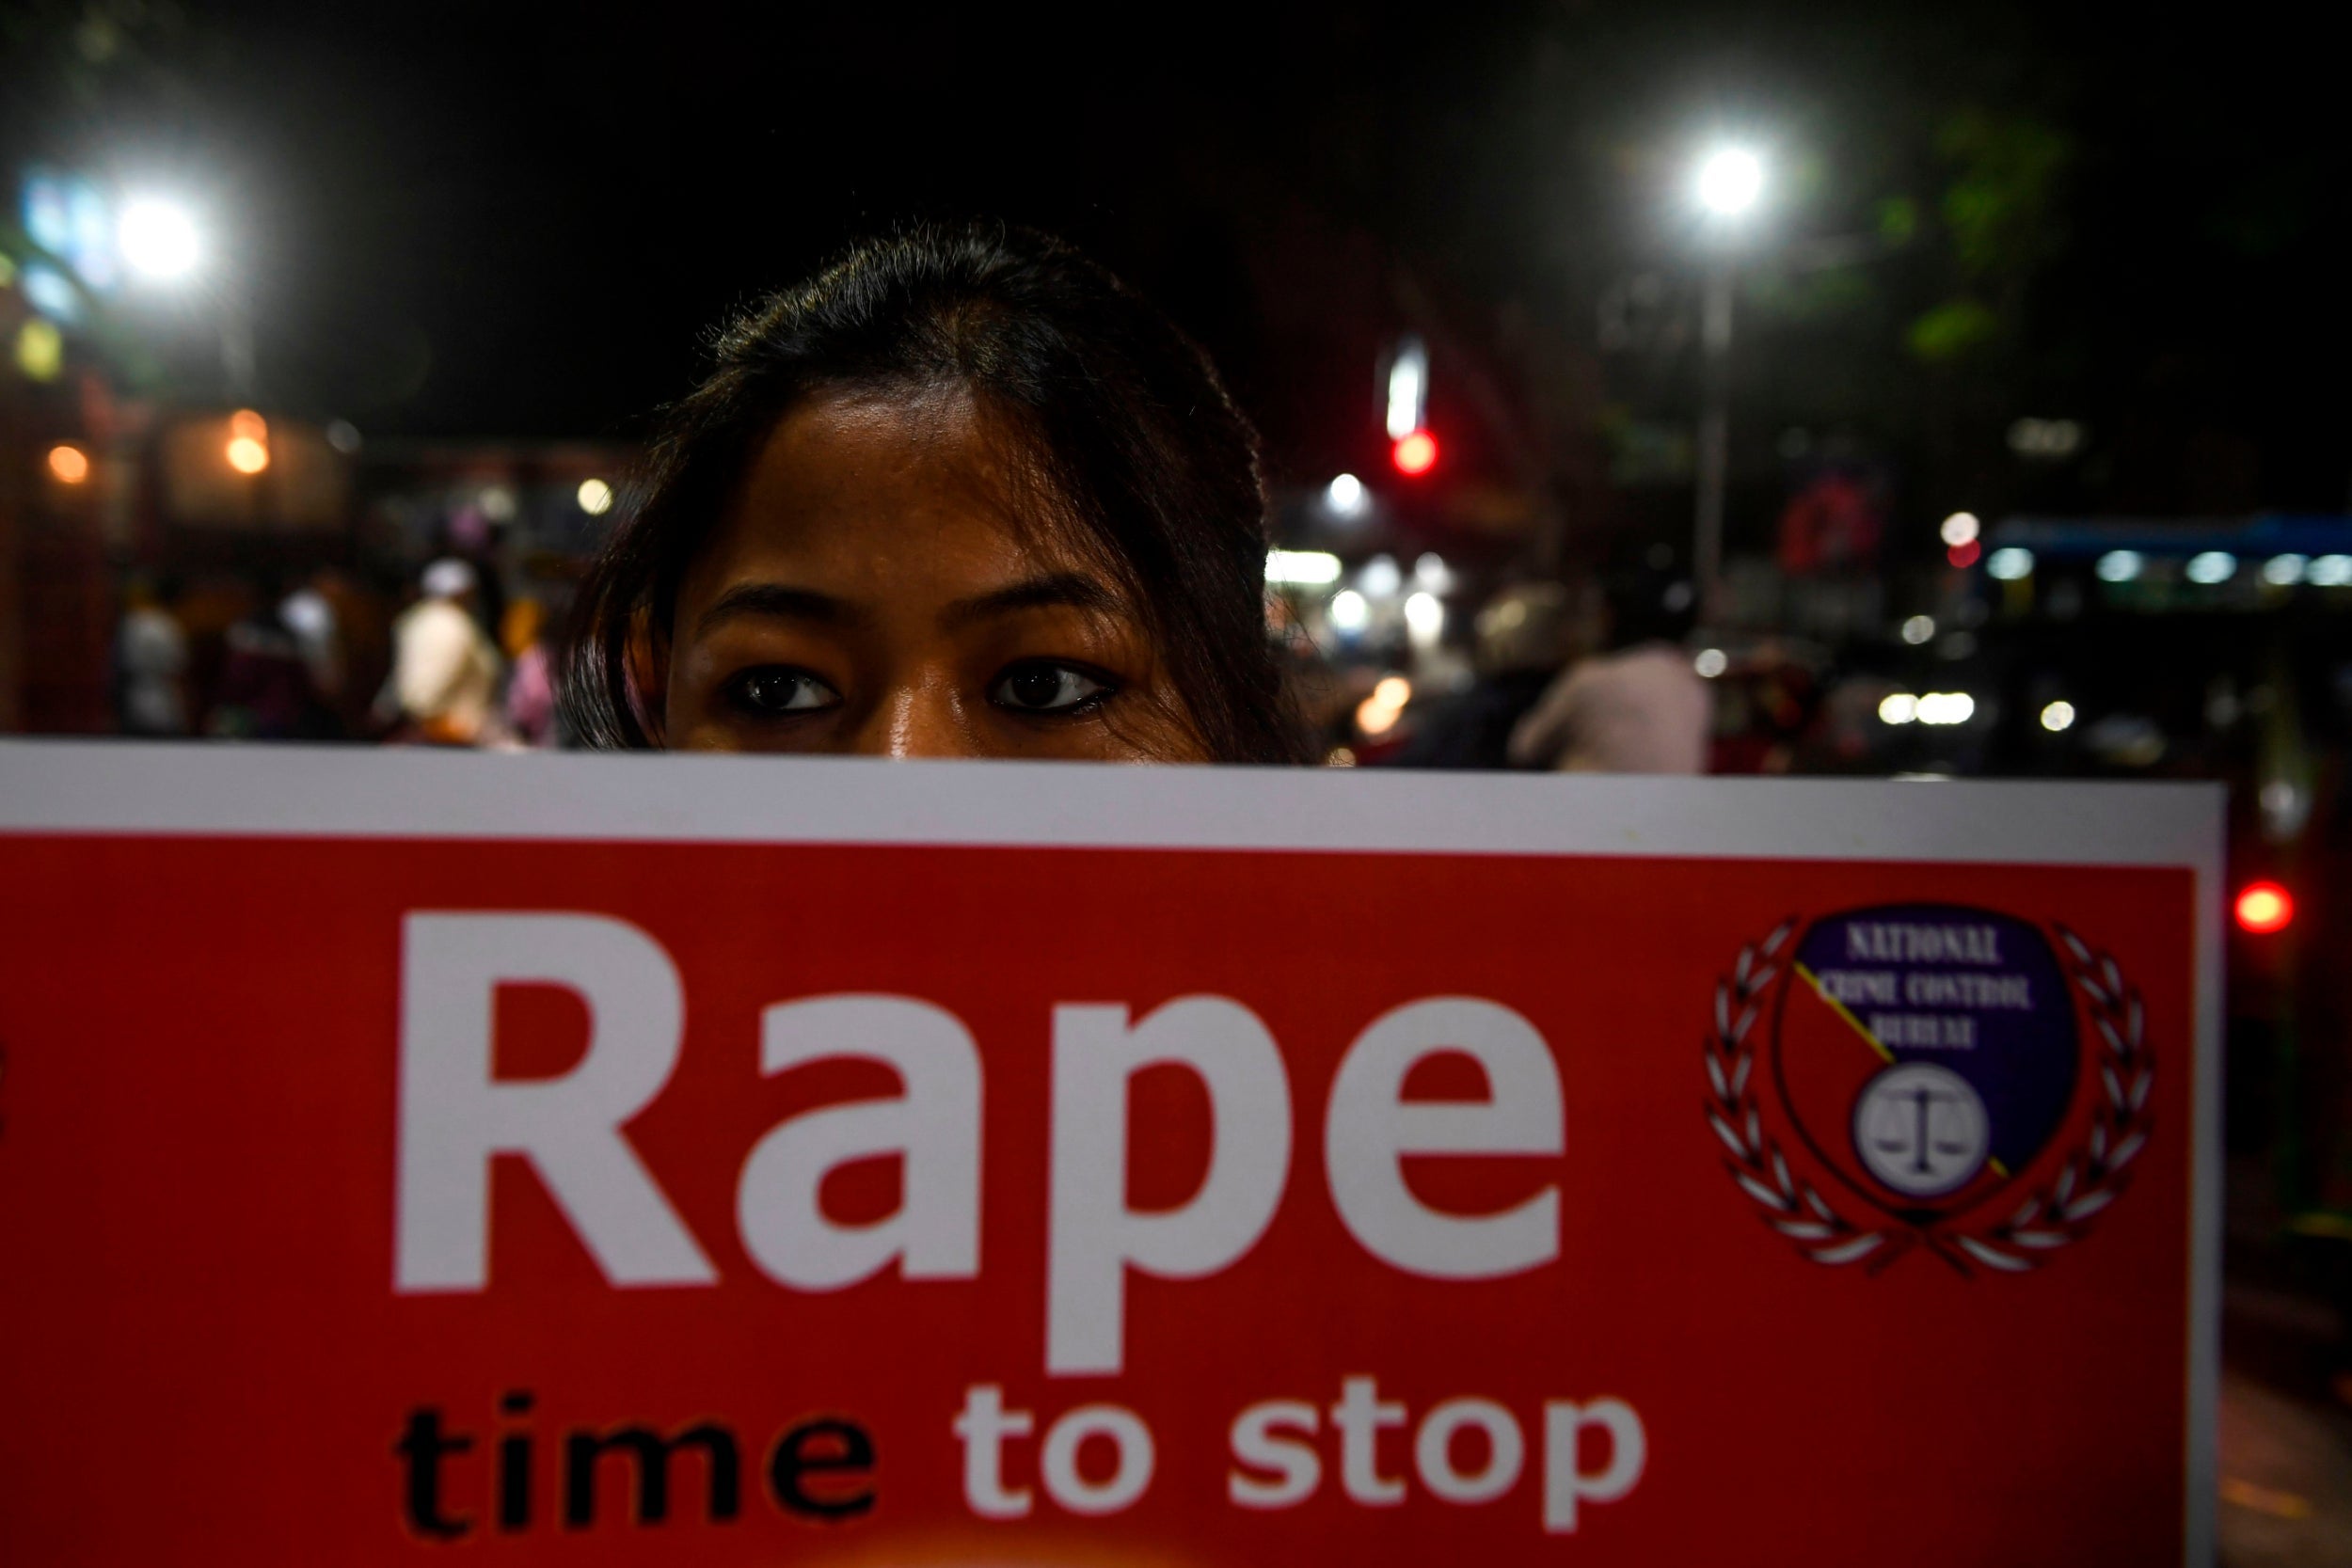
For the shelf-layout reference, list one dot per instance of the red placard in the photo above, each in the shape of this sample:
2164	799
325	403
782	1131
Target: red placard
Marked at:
844	1186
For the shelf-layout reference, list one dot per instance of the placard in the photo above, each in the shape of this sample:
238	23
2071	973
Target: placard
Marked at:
416	1158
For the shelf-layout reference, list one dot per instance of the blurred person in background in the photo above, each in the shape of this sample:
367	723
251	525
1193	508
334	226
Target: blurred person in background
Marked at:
266	689
962	495
444	685
1522	640
150	664
531	672
1638	707
318	634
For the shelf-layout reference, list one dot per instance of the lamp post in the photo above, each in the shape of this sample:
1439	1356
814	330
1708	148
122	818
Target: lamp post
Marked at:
162	245
1728	184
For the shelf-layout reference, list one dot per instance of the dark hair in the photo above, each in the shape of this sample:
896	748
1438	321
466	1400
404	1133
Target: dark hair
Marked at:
1139	453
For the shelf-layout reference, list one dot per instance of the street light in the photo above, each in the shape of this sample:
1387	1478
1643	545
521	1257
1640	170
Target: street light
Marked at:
163	242
1730	180
158	240
1728	183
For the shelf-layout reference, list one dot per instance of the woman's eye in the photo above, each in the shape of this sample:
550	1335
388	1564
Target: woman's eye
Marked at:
782	692
1048	689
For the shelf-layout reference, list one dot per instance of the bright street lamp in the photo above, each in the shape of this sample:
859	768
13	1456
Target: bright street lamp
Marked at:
161	243
158	240
1729	183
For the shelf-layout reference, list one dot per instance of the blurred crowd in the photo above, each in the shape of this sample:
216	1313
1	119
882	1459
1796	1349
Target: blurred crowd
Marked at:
329	659
1596	681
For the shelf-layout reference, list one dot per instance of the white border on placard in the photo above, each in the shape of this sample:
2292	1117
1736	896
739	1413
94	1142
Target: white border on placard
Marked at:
276	791
48	787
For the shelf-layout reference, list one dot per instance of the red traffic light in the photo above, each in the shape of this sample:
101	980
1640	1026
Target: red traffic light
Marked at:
1415	454
2264	907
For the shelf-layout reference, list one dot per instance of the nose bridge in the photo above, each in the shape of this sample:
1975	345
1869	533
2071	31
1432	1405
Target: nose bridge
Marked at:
919	717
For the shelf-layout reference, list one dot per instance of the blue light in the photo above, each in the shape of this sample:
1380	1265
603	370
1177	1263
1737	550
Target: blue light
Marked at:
2010	563
51	293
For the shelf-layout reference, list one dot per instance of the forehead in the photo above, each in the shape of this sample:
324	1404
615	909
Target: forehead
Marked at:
925	476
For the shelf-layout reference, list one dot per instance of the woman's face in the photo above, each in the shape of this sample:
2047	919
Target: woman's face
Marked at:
874	590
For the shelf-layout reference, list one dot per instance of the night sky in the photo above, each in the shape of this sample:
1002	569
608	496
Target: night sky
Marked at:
471	219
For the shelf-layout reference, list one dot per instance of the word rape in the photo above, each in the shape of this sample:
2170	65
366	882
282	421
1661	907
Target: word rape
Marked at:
455	1116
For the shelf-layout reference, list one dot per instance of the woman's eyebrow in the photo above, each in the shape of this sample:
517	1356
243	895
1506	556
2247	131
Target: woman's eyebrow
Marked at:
780	601
1072	589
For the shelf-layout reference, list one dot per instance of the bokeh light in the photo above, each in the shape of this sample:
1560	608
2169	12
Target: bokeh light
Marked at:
1730	182
2264	907
159	239
1416	453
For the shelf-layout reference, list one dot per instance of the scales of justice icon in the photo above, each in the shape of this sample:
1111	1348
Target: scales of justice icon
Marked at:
1921	1129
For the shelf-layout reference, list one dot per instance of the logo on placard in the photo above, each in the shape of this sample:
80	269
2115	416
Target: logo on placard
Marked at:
1928	1063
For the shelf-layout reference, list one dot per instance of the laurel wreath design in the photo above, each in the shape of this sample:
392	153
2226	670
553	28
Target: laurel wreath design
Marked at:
2091	1177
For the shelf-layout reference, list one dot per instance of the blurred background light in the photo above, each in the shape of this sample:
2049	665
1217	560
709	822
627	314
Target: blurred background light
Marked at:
68	464
1898	708
1345	496
2057	716
2044	438
1710	663
1431	572
1378	713
1730	181
68	217
2286	808
1291	566
51	293
2264	907
2330	571
1918	629
159	239
2282	571
1424	619
39	350
1408	390
1960	528
595	496
1380	578
2212	566
1349	610
2119	566
2010	564
1415	454
1947	707
247	451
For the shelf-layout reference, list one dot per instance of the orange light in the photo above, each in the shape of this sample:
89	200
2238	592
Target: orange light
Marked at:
1964	553
247	451
68	464
2264	907
1416	453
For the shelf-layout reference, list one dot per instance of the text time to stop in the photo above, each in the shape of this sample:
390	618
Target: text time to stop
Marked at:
575	1160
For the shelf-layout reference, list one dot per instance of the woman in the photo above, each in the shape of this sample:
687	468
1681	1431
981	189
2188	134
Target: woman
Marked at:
962	495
